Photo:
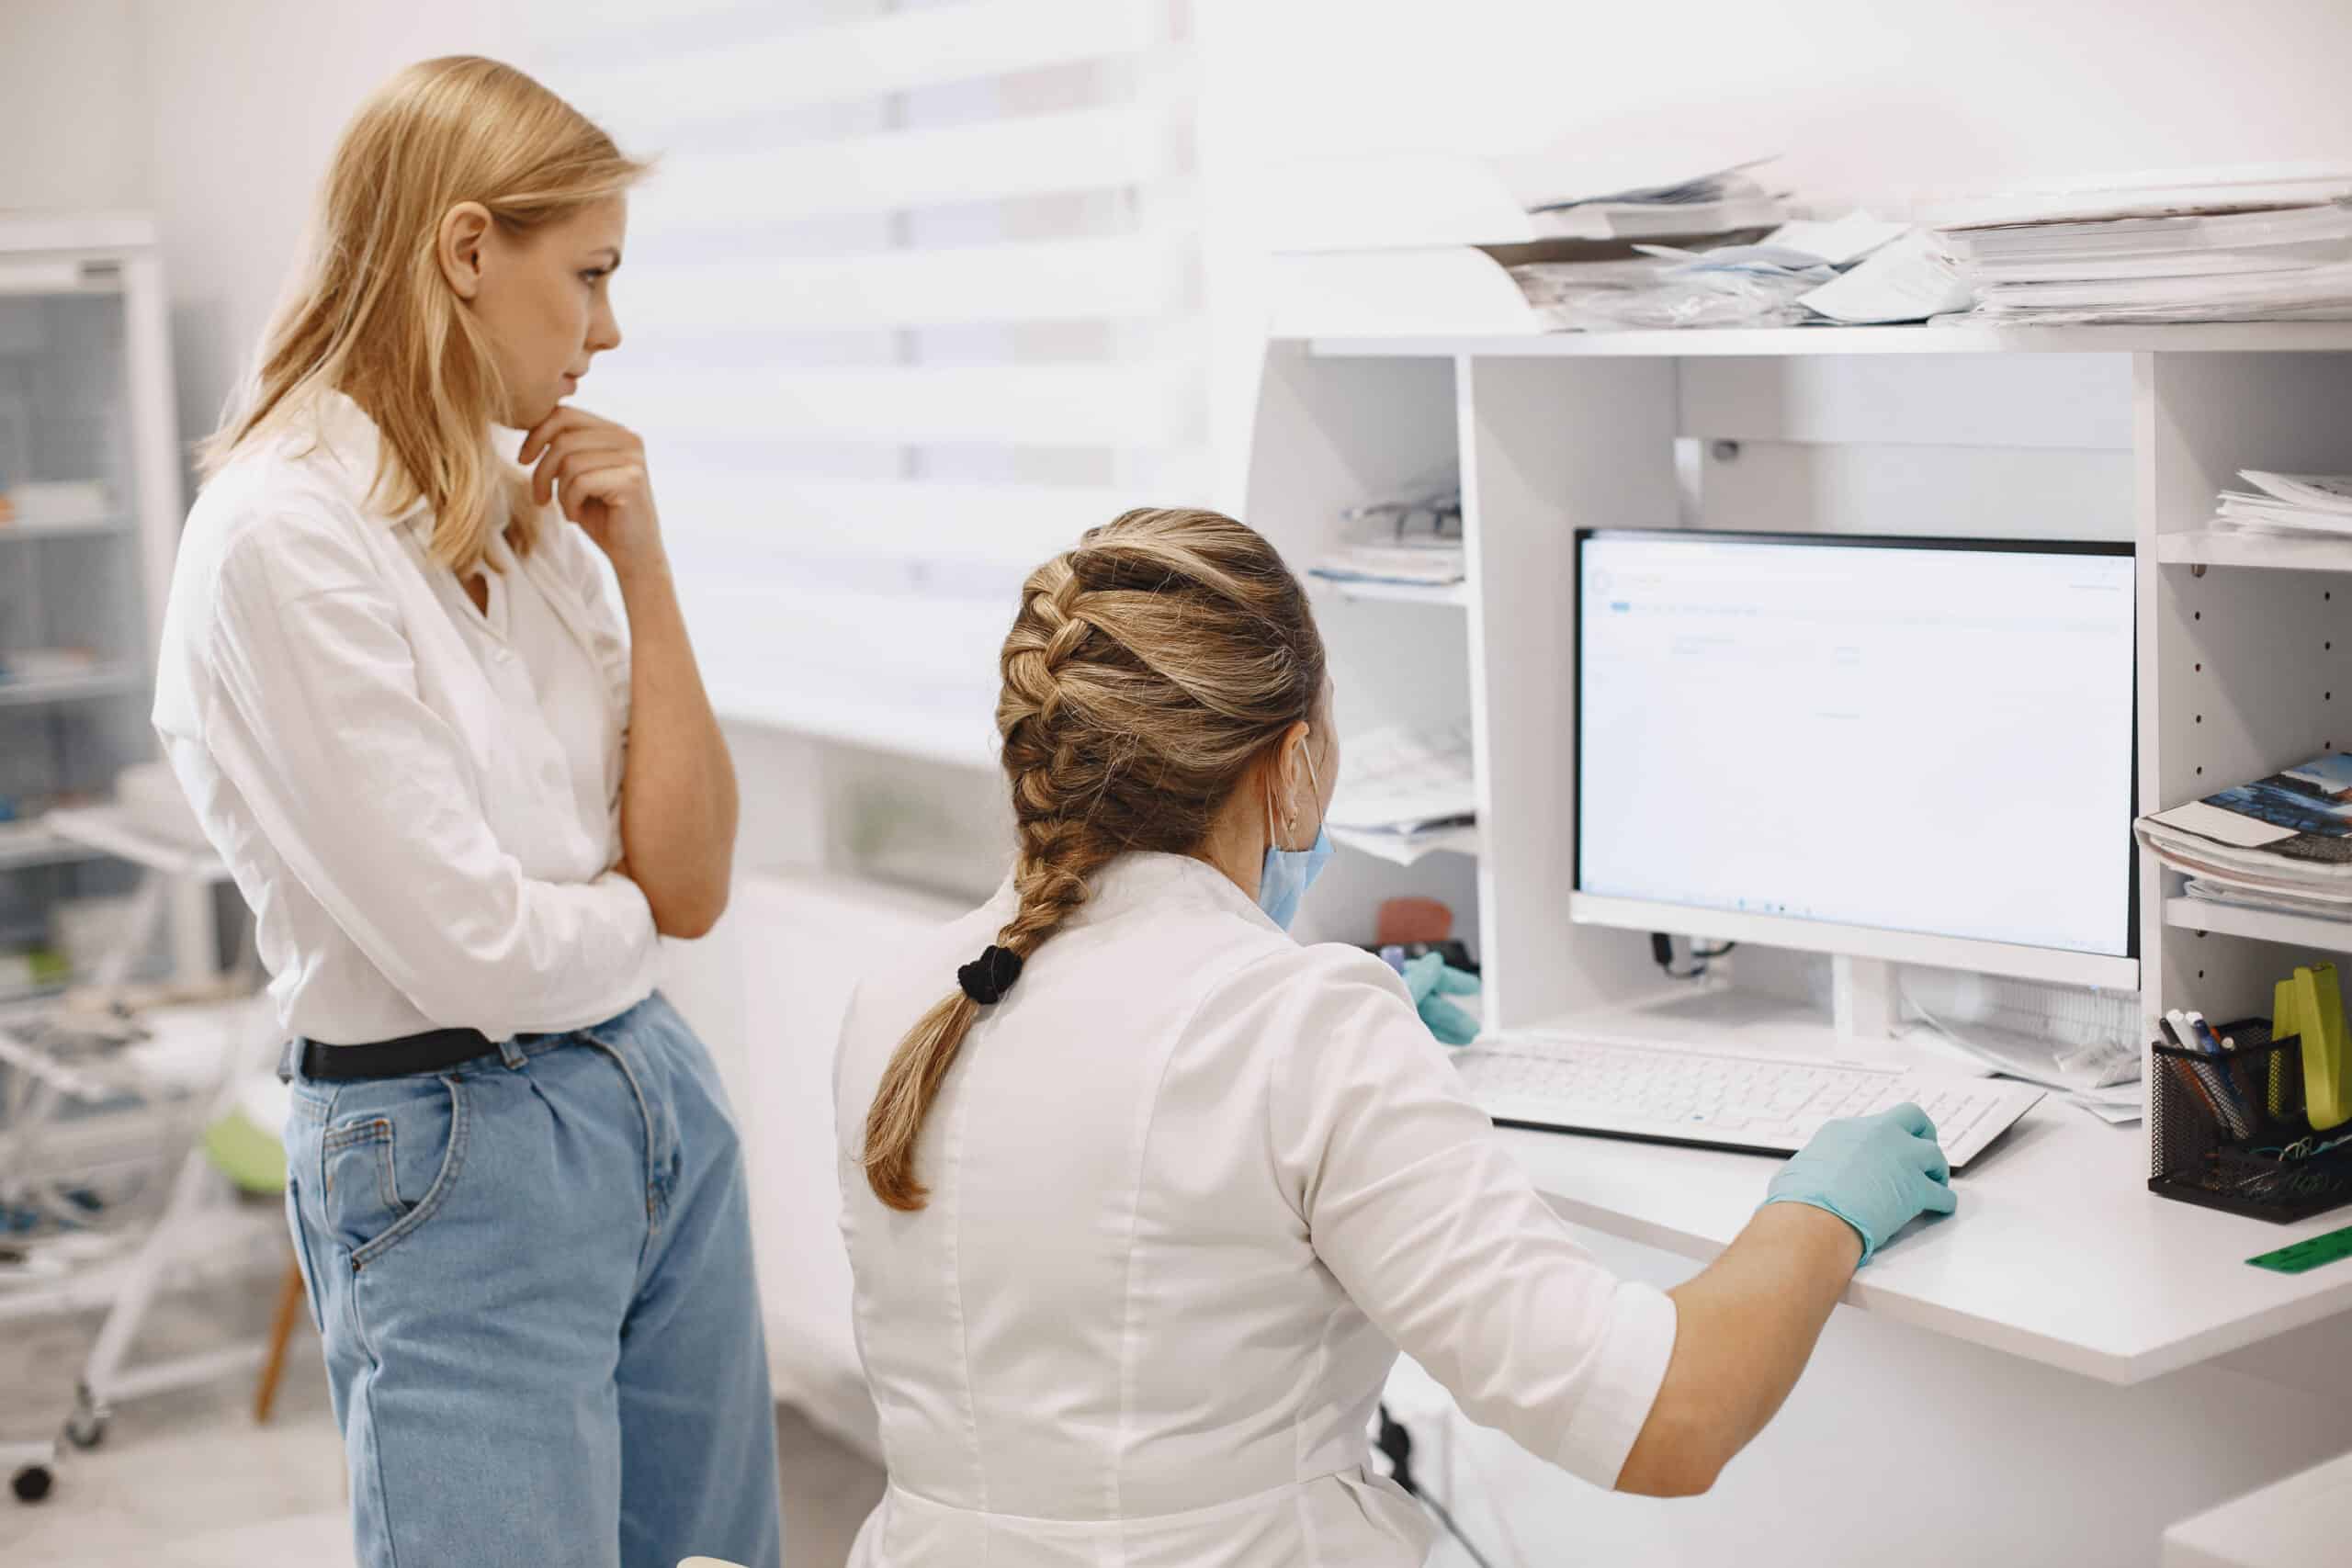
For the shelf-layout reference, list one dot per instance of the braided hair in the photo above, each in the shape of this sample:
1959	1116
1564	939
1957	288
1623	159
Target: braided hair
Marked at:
1147	670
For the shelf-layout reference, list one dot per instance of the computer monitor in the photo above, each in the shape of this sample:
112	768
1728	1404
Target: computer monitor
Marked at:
1913	750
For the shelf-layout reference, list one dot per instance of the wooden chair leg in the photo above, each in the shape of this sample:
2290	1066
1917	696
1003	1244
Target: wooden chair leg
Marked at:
290	1296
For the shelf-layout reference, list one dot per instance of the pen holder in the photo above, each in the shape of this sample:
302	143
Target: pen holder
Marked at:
2223	1131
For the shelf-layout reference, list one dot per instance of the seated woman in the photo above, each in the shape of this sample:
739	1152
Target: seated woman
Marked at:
1142	1209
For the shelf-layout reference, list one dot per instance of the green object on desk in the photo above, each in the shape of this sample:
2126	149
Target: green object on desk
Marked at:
2309	1003
2297	1257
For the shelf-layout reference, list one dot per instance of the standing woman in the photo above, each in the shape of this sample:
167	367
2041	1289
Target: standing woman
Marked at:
464	807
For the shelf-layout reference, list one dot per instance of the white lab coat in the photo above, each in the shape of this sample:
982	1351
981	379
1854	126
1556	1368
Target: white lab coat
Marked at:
1192	1186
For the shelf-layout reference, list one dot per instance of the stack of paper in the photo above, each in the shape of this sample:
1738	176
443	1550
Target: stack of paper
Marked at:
1854	269
2281	842
2231	248
1404	792
2103	1077
1717	201
1422	562
2288	503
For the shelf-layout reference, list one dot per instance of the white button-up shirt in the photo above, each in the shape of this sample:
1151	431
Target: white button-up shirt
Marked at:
420	801
1192	1187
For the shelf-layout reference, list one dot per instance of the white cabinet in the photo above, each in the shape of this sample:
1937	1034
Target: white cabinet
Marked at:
90	508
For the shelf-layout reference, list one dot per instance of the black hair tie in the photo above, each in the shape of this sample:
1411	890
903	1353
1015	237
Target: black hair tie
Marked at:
989	976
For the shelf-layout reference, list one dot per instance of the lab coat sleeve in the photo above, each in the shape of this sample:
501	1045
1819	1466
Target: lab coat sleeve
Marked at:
1424	1217
364	791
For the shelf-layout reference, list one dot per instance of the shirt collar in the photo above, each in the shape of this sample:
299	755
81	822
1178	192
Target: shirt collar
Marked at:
1145	878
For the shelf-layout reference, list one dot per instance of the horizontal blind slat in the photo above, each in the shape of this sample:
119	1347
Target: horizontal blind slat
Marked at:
1061	279
807	66
1091	148
1043	405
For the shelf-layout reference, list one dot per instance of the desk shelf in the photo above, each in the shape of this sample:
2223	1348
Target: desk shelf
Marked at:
105	680
2314	931
1445	596
2203	337
100	529
2278	552
34	843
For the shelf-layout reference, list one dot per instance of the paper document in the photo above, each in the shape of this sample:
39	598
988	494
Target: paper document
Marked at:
2288	503
2284	842
1840	242
1402	781
1907	280
2103	1077
1426	562
2152	194
1408	847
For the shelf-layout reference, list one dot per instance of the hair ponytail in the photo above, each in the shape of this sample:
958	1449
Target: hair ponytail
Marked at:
1147	670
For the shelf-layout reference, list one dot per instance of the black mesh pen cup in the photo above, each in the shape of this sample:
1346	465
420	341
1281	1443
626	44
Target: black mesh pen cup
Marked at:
2229	1132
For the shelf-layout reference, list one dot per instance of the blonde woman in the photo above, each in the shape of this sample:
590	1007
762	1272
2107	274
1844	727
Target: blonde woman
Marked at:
1142	1197
464	807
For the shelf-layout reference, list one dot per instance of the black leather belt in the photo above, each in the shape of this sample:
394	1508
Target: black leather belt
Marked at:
431	1052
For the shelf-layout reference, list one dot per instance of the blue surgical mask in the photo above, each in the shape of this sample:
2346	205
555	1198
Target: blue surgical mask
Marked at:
1286	875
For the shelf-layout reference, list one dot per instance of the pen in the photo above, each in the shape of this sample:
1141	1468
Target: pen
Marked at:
2219	1092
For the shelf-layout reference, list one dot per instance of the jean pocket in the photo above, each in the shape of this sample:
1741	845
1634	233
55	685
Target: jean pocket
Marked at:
388	1159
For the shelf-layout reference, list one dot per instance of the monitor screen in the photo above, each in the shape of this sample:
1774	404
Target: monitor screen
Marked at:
1926	736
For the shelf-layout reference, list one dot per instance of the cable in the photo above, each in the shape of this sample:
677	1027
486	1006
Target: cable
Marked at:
1397	1444
1662	954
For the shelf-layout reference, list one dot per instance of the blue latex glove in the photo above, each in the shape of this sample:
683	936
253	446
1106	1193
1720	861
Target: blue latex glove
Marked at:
1432	980
1876	1173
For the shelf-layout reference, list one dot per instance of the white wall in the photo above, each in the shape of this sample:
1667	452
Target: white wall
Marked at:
73	120
1866	99
244	102
1868	102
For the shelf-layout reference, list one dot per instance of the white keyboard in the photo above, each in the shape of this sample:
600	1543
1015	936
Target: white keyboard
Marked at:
1719	1098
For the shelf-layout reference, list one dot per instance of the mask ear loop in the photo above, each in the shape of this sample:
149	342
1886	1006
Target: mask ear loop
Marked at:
1308	752
1290	819
1290	822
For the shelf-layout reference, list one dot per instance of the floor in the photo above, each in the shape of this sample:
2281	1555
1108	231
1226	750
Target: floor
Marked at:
187	1478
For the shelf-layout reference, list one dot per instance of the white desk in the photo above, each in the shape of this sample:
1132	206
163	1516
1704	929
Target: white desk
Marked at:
2058	1252
2305	1521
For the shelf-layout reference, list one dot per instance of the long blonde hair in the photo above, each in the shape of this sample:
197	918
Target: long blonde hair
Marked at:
373	316
1148	671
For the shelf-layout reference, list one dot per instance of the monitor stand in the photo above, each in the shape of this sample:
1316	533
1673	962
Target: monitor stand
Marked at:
1864	1023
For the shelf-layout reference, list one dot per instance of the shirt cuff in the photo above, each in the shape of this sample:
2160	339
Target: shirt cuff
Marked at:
1628	1370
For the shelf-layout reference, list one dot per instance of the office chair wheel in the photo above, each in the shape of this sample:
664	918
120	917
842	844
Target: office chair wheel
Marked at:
31	1484
86	1428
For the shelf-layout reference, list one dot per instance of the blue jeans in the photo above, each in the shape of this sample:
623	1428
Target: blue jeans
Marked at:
532	1274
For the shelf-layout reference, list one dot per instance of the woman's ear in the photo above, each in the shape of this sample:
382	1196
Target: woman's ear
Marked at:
1293	771
463	235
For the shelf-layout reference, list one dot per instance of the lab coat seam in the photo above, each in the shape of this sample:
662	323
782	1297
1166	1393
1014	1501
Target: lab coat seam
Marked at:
1300	1399
962	1327
1127	1334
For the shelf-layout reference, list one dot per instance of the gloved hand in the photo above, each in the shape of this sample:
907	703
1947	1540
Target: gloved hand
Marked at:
1876	1173
1432	980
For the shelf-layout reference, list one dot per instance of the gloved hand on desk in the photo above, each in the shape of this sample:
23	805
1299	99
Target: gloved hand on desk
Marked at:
1432	980
1876	1173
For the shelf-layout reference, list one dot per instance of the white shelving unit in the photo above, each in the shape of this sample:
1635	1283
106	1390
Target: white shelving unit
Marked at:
2060	1276
2105	432
85	398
